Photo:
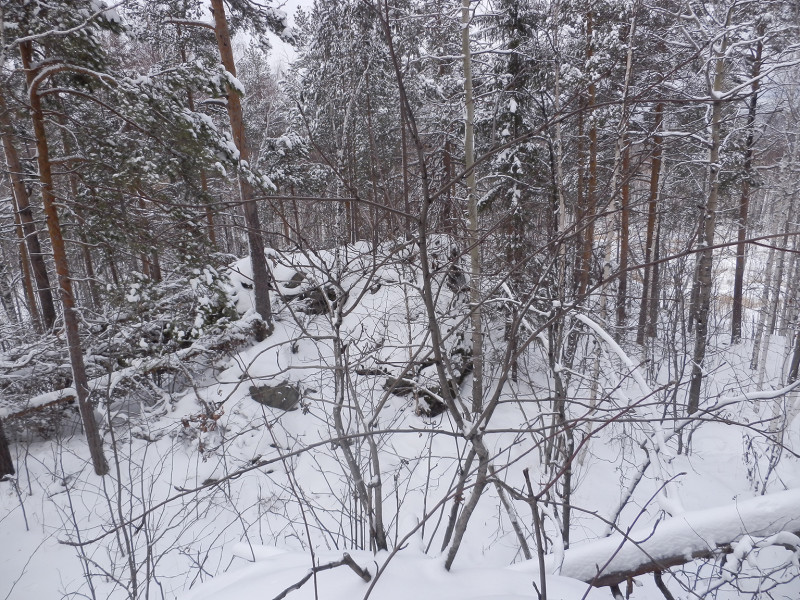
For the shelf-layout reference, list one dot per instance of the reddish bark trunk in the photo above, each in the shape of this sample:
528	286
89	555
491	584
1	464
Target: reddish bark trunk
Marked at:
62	269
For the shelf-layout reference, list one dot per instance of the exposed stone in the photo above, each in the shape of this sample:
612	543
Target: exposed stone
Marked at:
284	396
295	281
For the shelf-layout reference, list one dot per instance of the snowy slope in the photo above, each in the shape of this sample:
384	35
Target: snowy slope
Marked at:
216	479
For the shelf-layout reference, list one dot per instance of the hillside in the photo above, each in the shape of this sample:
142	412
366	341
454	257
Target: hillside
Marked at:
334	434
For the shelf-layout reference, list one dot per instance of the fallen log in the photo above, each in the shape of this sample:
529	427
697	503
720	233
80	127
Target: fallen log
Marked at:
64	398
773	519
682	539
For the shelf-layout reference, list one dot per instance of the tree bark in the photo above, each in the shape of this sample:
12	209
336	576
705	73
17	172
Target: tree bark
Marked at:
212	236
652	206
62	268
708	215
795	364
762	317
652	320
6	462
789	310
744	200
25	267
472	208
591	188
622	289
23	208
7	295
258	260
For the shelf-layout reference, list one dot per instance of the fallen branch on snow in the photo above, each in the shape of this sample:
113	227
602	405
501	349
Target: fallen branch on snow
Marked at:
679	540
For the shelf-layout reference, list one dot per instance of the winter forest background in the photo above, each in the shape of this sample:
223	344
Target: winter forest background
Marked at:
484	299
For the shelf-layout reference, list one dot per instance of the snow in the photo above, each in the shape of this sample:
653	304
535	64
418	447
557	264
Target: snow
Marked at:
406	575
690	533
211	477
42	400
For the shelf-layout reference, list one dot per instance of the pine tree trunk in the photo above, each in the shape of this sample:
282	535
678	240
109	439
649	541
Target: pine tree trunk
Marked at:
789	204
27	282
624	181
34	248
212	236
404	167
7	295
80	380
795	364
652	207
258	260
652	321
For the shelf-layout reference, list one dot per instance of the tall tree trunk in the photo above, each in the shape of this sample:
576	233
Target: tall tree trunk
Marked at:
580	200
7	295
25	213
591	187
744	199
789	202
258	260
6	462
624	243
708	215
88	263
762	317
80	380
795	364
25	267
789	310
622	167
652	206
472	208
91	280
404	159
652	321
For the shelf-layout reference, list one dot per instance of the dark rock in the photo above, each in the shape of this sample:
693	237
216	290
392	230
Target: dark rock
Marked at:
427	404
399	387
295	281
284	396
318	300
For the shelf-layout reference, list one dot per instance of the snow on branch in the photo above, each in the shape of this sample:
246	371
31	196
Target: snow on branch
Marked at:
774	519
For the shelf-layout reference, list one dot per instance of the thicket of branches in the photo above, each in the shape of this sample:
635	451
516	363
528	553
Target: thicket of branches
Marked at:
592	206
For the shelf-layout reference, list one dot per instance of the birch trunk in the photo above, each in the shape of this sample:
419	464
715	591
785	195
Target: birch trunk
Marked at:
472	207
705	259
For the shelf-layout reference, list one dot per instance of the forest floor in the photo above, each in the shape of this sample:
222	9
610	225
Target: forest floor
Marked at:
214	495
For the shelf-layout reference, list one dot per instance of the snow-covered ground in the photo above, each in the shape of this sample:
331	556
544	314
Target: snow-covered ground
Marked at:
214	495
